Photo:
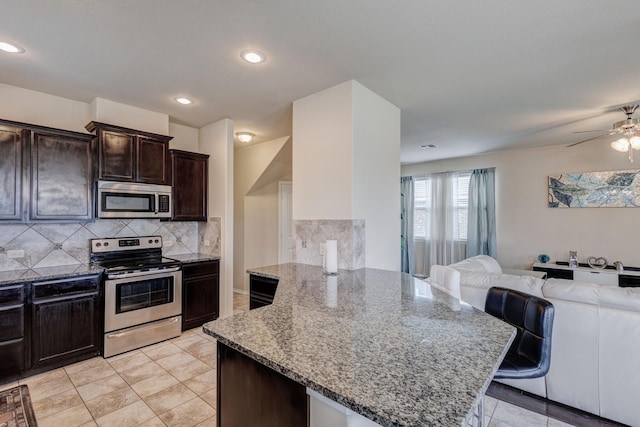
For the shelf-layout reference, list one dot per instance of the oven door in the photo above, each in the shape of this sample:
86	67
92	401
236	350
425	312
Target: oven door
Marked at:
135	298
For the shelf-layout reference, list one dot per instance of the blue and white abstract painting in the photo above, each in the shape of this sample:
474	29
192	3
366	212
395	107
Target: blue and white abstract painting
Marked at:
617	189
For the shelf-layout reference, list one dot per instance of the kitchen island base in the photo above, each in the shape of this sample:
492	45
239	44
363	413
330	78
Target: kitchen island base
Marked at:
249	393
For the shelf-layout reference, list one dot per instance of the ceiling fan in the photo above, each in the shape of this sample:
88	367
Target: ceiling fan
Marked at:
629	129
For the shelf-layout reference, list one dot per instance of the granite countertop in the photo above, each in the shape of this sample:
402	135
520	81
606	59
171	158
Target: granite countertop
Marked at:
384	344
189	258
47	273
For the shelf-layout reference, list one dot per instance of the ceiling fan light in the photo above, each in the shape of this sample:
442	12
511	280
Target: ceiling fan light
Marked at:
621	145
635	142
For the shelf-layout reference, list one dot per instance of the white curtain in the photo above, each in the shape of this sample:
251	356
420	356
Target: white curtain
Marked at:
445	234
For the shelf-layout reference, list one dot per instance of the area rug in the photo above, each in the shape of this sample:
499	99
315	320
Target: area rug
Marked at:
16	409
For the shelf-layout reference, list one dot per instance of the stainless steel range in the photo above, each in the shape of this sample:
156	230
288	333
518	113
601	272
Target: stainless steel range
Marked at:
143	292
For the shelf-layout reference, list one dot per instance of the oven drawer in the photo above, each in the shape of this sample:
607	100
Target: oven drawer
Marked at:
139	336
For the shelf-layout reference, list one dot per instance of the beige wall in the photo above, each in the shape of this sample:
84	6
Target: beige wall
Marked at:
184	138
526	227
216	140
28	106
257	170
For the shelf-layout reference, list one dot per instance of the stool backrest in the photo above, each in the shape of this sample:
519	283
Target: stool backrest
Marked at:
533	318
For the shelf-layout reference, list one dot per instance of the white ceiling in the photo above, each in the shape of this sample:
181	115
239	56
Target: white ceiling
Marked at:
469	76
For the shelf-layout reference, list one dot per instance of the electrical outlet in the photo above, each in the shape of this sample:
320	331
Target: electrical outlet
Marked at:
207	243
16	253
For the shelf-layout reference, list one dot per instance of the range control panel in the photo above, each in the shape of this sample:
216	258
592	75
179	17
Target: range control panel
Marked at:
126	243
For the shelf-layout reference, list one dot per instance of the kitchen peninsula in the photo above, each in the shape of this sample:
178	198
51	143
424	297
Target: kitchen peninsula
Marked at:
382	344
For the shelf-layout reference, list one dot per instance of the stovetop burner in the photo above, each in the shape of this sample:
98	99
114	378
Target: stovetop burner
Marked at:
137	263
130	254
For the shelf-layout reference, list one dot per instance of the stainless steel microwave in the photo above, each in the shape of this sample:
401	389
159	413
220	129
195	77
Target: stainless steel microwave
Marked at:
131	200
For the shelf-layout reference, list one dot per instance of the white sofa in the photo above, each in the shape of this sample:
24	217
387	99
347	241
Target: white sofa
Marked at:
595	350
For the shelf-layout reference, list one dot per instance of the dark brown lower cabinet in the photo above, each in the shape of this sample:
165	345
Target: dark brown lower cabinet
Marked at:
251	394
262	290
12	331
65	321
200	293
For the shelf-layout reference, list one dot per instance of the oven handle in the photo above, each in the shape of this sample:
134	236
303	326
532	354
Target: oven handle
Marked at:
155	325
141	273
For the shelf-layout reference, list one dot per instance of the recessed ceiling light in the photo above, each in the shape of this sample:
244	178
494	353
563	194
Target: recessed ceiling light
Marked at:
245	136
427	146
253	56
11	48
182	100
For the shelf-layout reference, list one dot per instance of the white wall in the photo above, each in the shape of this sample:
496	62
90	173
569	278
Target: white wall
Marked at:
322	154
216	140
376	176
526	227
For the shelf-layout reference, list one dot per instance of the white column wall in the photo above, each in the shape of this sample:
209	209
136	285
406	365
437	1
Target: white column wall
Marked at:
322	154
216	140
376	176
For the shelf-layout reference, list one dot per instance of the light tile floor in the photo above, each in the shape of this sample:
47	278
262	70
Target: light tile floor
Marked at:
172	383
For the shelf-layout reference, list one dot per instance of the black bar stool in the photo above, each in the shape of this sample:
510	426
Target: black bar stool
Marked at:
530	353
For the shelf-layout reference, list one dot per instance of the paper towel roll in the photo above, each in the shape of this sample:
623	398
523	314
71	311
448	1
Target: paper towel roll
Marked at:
332	291
331	256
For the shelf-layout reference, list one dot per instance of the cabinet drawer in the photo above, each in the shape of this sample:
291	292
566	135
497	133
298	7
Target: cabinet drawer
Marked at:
628	281
201	268
11	322
64	287
11	295
599	277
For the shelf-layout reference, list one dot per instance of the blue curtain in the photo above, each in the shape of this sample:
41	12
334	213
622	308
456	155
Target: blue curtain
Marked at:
406	217
481	228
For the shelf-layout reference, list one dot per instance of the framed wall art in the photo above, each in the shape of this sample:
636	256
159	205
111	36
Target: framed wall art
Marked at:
616	189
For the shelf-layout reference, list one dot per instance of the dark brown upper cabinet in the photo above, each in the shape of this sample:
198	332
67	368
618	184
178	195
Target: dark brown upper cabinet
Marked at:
12	170
61	176
190	176
131	155
46	174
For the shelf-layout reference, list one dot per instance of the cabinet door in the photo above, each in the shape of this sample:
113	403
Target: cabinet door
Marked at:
65	330
117	155
190	175
153	161
61	177
200	293
11	173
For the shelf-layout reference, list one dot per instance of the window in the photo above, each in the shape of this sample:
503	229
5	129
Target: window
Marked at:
424	203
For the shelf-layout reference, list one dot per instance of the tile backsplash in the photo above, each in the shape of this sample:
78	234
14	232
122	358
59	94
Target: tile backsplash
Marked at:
309	235
52	245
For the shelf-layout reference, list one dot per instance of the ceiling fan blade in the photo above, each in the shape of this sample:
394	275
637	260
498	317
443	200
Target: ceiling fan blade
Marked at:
588	131
590	139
